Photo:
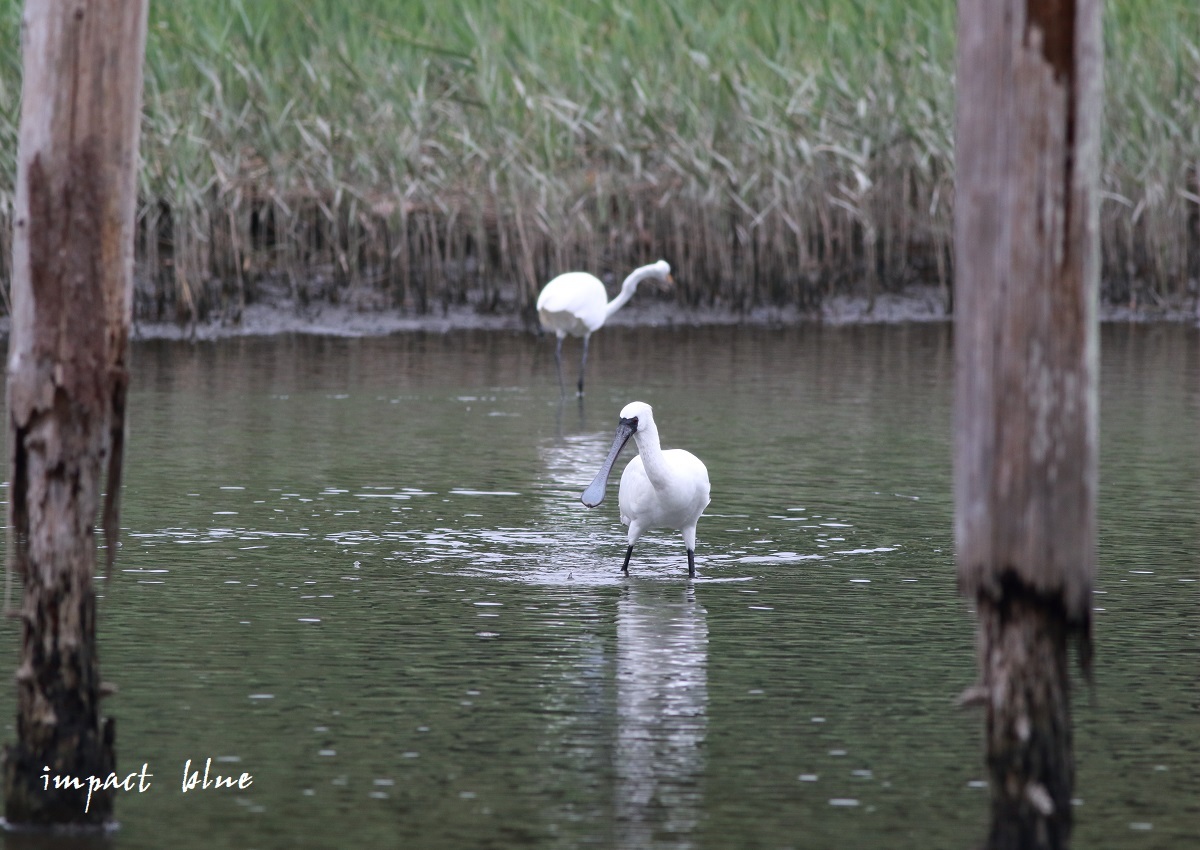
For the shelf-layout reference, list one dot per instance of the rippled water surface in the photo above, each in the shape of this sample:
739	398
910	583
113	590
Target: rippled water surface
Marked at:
359	570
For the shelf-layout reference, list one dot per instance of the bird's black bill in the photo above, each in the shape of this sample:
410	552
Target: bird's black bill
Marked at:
594	494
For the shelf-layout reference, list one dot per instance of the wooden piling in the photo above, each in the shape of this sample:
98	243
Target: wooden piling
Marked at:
67	379
1026	415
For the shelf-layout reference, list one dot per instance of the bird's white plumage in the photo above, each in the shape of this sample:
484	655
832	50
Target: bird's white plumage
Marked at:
576	304
573	303
659	489
678	506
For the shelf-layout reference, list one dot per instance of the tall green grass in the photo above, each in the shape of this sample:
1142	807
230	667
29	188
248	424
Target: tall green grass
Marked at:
402	152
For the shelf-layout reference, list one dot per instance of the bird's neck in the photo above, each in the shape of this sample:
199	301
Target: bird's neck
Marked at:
622	298
652	457
627	289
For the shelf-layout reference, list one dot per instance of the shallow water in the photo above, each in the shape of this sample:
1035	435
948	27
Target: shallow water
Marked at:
358	570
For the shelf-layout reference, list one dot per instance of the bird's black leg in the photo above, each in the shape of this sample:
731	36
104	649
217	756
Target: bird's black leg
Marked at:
691	562
628	554
583	362
558	363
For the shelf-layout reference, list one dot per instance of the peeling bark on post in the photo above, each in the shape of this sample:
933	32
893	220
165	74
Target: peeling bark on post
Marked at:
67	378
1026	416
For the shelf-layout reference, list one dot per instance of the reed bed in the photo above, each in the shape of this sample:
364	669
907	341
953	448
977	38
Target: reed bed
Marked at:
401	153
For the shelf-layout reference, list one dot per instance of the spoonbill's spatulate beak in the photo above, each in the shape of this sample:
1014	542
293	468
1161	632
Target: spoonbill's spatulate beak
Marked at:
594	494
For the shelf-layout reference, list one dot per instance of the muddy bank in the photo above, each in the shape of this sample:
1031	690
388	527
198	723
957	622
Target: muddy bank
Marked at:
918	304
284	316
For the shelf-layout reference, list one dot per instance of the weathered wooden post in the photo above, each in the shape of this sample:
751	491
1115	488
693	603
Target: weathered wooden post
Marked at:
1025	465
67	379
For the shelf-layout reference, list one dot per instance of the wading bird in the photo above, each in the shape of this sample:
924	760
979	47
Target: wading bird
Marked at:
658	489
575	303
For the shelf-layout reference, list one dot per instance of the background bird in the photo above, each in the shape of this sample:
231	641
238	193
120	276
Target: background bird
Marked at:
659	489
576	303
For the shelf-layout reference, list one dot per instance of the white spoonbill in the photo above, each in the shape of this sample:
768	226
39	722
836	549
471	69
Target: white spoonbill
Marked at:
575	303
658	489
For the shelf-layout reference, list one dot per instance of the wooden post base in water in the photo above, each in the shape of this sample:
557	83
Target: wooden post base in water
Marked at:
64	750
1023	638
33	802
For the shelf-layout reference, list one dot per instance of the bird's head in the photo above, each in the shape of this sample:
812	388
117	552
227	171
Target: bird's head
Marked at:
637	414
662	276
659	273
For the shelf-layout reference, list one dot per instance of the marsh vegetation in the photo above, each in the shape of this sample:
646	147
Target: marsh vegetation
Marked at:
416	155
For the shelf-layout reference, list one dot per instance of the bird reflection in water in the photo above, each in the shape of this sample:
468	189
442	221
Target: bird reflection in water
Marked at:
662	720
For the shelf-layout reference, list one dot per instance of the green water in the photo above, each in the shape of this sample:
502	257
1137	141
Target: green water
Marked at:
358	571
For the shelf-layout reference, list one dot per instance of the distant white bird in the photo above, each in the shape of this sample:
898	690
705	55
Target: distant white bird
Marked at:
658	489
575	303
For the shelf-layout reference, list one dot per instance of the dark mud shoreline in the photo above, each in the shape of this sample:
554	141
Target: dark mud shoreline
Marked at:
915	305
284	316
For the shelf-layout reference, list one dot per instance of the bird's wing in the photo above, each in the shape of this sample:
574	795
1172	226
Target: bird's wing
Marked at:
577	293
